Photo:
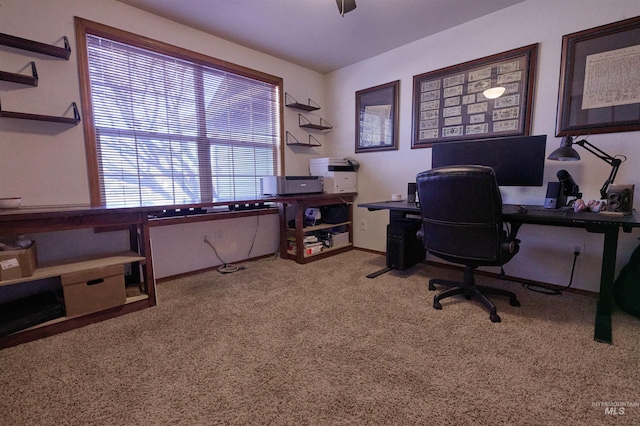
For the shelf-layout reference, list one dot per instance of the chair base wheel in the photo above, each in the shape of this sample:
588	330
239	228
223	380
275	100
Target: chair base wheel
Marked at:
432	287
514	302
437	305
495	318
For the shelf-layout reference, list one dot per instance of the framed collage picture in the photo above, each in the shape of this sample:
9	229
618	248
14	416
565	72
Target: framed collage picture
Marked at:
450	103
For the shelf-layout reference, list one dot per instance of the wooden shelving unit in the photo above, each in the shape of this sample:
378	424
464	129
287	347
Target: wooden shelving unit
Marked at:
70	266
300	203
35	221
45	49
304	122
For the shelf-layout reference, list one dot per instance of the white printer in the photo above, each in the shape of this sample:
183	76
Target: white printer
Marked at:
339	173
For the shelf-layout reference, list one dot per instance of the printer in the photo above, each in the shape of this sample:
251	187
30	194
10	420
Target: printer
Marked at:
290	185
339	173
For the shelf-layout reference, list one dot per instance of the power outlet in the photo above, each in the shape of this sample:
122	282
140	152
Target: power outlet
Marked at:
363	224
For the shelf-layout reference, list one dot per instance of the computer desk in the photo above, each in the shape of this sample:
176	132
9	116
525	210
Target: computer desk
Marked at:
537	215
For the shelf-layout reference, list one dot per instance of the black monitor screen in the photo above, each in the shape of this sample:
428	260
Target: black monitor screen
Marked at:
518	161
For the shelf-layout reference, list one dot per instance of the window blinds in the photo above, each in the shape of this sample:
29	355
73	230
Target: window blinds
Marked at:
170	131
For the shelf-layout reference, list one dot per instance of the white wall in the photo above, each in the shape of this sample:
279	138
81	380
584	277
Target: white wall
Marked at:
45	163
547	253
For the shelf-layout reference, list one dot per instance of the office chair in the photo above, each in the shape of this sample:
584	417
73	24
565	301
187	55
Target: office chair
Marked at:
462	223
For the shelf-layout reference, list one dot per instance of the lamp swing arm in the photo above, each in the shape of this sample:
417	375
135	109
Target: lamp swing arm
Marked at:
612	161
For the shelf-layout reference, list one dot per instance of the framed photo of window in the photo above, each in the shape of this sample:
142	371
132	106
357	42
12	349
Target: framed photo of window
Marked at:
599	77
450	103
377	118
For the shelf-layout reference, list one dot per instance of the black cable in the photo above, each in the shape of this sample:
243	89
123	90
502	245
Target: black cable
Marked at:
551	291
225	268
255	234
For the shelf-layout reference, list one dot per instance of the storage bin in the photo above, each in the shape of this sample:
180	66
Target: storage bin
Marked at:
94	290
340	239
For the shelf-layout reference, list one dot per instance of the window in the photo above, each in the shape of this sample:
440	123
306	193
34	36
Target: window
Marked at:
172	127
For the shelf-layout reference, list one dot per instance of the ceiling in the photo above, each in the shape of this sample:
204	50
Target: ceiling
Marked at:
311	33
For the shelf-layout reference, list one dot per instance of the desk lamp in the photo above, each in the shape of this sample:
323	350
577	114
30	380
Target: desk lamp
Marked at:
567	153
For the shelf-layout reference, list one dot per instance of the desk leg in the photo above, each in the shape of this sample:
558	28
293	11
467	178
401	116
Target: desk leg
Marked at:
377	273
607	277
394	215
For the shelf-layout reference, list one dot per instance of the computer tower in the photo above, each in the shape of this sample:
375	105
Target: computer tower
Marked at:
404	249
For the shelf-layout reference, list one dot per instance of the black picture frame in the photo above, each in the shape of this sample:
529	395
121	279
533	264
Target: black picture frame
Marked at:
598	90
377	118
448	103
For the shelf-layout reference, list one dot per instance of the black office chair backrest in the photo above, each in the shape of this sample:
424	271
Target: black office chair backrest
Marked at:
462	213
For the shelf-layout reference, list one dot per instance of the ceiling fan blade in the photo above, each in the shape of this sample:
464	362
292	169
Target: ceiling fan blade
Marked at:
345	6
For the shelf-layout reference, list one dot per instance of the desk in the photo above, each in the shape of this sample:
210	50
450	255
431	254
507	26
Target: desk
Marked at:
36	220
536	215
301	202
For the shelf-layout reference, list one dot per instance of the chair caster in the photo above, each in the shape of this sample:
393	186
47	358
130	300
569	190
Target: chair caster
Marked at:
494	318
514	302
437	305
432	287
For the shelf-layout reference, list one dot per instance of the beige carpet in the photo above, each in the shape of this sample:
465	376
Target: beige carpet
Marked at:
320	344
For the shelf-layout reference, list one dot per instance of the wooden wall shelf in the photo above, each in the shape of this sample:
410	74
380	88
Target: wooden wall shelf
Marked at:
307	124
292	103
291	140
27	116
35	46
20	78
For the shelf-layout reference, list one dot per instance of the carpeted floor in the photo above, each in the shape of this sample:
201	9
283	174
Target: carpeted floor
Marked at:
321	344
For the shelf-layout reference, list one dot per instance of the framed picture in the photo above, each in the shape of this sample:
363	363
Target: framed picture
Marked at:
599	76
450	103
377	118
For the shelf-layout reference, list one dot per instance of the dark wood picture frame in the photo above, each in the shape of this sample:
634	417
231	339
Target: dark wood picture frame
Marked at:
377	117
598	82
448	103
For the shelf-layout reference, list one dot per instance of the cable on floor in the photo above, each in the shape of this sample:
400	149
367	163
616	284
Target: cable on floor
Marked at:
552	291
227	268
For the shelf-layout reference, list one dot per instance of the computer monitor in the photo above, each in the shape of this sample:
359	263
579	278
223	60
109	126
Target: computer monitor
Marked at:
518	161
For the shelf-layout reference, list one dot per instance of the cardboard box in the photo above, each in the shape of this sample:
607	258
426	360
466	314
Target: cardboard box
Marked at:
18	263
94	290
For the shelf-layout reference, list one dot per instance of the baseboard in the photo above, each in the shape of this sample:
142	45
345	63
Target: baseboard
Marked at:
213	268
497	276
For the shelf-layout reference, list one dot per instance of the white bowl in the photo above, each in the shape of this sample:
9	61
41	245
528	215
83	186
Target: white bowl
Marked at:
10	203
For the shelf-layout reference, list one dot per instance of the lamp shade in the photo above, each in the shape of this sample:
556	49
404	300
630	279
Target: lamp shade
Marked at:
565	152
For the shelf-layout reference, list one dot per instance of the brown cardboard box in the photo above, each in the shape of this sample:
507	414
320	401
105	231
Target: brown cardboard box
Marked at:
94	290
18	263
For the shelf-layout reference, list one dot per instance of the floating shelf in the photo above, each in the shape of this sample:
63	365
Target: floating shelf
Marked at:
21	79
291	140
306	123
25	116
292	103
35	46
